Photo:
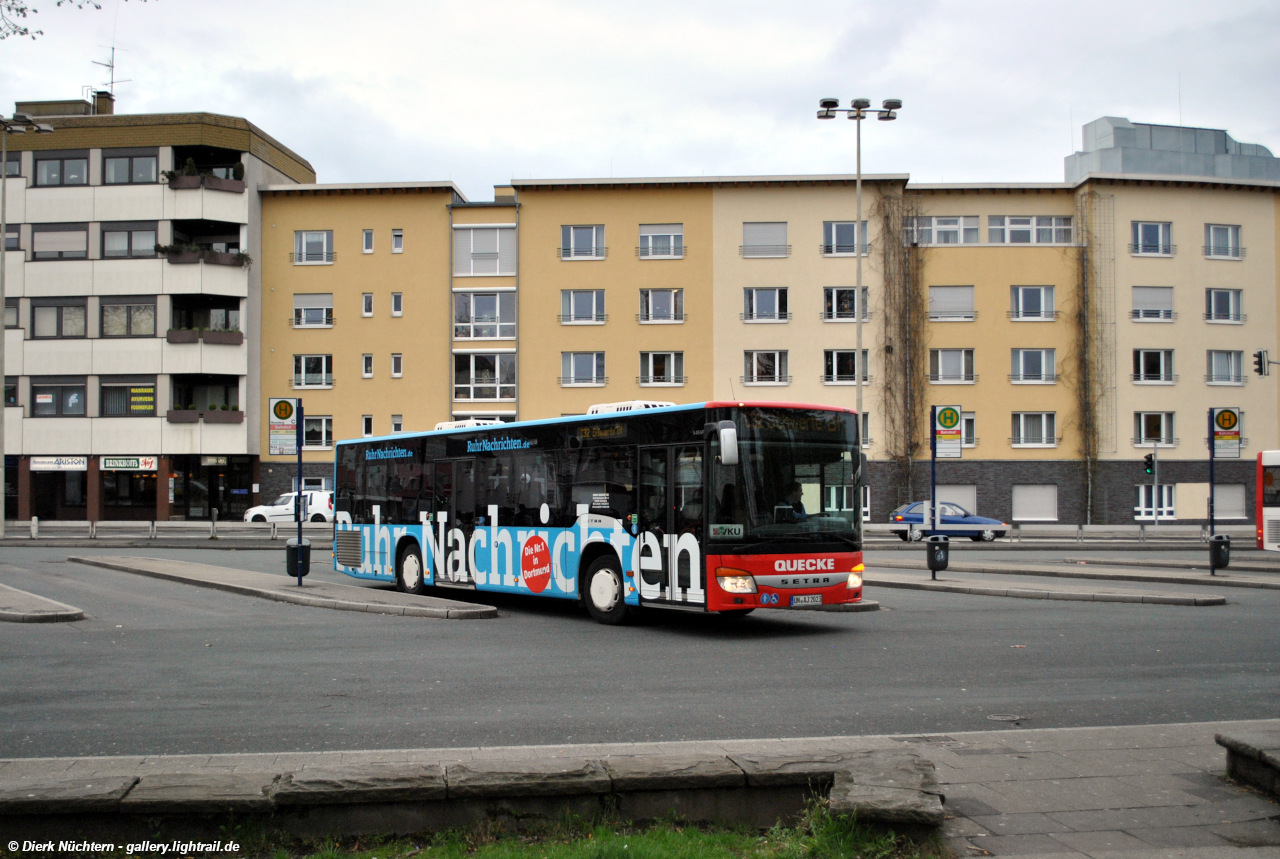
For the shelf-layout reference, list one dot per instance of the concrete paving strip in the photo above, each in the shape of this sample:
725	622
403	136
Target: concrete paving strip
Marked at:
989	588
1104	572
284	589
22	607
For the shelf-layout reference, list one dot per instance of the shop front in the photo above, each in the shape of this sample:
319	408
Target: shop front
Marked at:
202	483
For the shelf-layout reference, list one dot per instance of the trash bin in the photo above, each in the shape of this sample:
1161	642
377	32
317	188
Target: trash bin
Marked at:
1219	551
296	551
939	552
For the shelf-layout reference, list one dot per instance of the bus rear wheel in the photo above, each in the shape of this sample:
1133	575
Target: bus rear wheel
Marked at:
409	571
603	592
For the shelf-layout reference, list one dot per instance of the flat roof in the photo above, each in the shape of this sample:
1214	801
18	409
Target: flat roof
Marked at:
364	188
692	181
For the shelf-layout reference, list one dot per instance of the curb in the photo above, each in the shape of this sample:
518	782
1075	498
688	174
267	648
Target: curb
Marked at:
23	607
1079	572
1037	594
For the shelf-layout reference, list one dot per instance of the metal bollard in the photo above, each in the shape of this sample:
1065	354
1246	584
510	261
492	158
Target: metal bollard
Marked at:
213	525
35	527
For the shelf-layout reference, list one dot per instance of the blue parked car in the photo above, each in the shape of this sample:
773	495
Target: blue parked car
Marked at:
956	522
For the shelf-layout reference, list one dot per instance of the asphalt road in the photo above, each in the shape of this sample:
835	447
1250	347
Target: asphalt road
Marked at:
159	667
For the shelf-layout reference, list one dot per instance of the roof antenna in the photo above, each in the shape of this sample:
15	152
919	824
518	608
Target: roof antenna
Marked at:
111	65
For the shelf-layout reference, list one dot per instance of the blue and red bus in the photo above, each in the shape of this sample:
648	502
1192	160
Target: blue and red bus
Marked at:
715	507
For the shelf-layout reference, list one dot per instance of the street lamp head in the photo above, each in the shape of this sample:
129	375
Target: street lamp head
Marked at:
44	128
886	116
828	103
861	103
892	104
15	129
22	117
826	114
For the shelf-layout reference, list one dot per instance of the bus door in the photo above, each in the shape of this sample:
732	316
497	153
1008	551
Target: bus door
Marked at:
455	496
671	524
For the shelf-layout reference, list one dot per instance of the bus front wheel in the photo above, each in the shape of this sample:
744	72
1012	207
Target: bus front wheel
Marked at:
604	592
409	575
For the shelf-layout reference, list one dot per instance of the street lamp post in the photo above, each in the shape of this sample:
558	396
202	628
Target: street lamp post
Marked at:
858	110
20	123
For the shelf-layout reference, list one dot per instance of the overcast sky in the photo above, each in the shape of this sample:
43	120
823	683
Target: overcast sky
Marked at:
485	91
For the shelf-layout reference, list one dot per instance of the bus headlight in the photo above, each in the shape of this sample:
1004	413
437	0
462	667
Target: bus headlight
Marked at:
855	577
735	581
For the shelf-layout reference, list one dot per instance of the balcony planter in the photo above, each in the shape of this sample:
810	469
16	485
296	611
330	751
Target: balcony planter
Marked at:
182	335
179	254
221	417
220	258
182	416
217	183
224	338
179	182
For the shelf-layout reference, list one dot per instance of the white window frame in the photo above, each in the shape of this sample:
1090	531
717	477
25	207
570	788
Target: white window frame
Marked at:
366	365
1144	244
837	242
647	316
1148	304
302	242
300	378
836	297
467	329
1032	489
764	240
582	242
325	423
752	364
367	246
397	423
1222	241
1234	362
1164	423
397	241
366	304
940	230
968	429
1030	230
966	376
1048	436
569	307
502	361
1019	359
1140	376
751	301
650	379
1145	509
1234	300
397	365
397	304
831	359
485	250
571	362
951	304
1018	304
670	235
313	310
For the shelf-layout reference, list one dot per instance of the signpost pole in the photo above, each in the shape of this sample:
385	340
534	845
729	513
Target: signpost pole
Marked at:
933	474
297	498
1212	457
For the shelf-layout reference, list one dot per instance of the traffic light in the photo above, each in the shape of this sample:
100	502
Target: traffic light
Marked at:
1149	463
1261	365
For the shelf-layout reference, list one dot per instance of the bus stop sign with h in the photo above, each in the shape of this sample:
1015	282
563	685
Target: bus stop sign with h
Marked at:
284	438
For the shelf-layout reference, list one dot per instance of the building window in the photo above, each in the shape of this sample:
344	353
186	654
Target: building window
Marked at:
484	251
1223	305
1026	230
397	241
840	304
366	304
10	390
585	242
64	400
367	246
1152	238
62	168
1222	241
397	365
484	376
765	304
968	429
951	366
940	230
313	247
582	368
1153	365
484	315
366	425
397	423
840	366
313	371
128	240
1152	304
58	320
951	304
12	237
1035	502
1151	428
662	368
121	400
1154	501
128	319
317	432
313	310
366	366
661	305
582	306
1225	367
661	241
840	238
11	313
60	241
1034	429
13	164
125	169
1032	366
397	304
765	368
765	239
1031	302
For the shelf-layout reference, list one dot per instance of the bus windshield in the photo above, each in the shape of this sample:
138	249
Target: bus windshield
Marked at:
796	478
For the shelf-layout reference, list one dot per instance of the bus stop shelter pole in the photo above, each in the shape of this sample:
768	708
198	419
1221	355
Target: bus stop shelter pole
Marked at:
297	497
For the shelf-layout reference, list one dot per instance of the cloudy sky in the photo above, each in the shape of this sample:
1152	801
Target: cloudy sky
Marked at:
486	91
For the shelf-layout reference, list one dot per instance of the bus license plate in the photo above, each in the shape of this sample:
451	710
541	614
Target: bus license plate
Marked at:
807	599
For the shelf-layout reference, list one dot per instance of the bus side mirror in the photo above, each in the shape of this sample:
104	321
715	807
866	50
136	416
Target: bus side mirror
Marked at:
728	443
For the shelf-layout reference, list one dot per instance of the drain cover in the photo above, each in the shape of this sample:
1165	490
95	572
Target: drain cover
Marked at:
1004	717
